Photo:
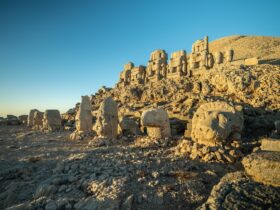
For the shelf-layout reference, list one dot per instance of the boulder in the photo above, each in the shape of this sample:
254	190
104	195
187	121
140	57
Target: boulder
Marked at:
107	119
157	123
52	120
84	117
12	120
216	122
23	119
129	126
263	167
237	191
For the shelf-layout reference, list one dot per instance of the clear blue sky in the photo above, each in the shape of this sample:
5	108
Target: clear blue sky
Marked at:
54	51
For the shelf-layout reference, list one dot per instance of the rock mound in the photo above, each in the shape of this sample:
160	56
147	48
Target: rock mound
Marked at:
236	191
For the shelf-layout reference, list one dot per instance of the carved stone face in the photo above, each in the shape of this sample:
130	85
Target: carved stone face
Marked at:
215	122
215	125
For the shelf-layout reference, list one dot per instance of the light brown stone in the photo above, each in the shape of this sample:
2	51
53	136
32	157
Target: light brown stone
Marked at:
84	116
157	123
263	167
107	119
251	61
52	120
214	122
30	121
270	144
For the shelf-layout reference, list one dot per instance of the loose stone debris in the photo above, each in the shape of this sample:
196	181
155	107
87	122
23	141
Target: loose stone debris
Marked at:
198	131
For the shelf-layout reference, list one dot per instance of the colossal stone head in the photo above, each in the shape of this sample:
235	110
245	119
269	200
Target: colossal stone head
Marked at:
215	122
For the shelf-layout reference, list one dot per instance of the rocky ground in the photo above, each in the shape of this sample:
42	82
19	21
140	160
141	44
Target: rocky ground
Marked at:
48	171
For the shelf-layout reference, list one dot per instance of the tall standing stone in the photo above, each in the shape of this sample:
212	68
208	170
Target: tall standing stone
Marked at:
38	120
30	120
84	117
107	119
83	120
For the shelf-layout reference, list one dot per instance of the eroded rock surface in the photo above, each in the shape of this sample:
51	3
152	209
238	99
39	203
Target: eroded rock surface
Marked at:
263	167
107	119
215	122
83	120
157	123
52	120
236	191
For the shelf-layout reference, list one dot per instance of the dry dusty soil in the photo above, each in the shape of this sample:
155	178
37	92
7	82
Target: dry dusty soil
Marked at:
48	171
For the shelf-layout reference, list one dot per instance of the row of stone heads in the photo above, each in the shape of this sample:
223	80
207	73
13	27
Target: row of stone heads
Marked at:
180	63
107	122
160	56
49	120
227	118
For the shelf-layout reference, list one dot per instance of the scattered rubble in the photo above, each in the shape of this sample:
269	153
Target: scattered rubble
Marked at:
162	138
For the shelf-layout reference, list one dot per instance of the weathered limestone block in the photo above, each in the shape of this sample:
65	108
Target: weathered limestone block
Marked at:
251	61
52	120
229	55
129	126
157	123
157	66
218	58
263	167
270	144
138	75
23	119
125	76
30	121
83	120
177	66
84	116
215	122
12	120
38	120
107	119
